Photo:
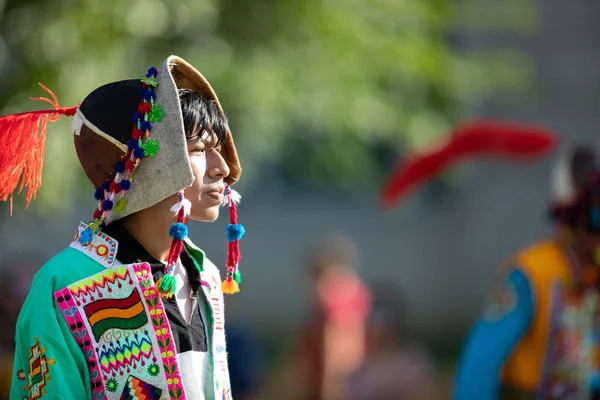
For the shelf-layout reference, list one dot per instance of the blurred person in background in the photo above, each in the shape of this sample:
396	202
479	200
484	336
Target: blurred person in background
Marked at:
333	344
132	308
538	336
395	368
15	280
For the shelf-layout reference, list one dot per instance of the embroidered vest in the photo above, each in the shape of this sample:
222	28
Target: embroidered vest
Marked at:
119	322
554	357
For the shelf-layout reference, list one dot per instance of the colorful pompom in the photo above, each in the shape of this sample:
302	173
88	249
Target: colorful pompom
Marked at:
146	126
166	286
99	194
130	166
85	237
149	96
97	214
107	205
137	116
230	286
132	144
125	184
138	153
152	71
137	134
235	232
119	167
115	187
178	230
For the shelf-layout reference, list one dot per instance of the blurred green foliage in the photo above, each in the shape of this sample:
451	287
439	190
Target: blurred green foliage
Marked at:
316	87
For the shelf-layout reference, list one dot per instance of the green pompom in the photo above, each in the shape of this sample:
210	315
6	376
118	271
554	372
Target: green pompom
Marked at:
166	286
237	276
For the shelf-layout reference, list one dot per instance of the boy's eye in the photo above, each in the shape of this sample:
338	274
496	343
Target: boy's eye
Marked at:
197	150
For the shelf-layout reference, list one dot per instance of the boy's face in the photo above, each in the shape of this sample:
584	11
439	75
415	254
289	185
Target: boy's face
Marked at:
209	168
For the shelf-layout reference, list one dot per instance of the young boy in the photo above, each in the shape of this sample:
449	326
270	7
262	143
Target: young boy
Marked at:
132	309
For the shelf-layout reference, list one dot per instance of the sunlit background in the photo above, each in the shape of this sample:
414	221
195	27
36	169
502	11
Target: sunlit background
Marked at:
323	98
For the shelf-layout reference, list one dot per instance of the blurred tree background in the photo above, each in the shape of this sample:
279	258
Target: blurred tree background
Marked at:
328	90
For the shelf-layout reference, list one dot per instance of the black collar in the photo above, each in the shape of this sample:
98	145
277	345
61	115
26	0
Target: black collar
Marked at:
131	251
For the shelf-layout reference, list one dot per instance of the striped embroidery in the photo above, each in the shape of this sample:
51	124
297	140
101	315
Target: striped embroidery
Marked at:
113	316
127	313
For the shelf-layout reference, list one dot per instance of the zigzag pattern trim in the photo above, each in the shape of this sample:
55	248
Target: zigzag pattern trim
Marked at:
124	354
92	283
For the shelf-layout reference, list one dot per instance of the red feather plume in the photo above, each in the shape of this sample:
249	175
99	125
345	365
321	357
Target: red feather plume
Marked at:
480	138
22	143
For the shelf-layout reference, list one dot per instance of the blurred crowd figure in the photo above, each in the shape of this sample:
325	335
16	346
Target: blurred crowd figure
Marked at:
394	367
353	344
15	279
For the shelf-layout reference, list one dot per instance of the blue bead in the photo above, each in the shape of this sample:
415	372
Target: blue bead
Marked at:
132	144
107	205
178	231
125	184
120	166
143	93
146	126
138	153
235	232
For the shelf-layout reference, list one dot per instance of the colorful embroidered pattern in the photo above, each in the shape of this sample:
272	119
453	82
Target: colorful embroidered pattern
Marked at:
100	281
114	322
127	313
569	353
118	354
39	368
100	247
163	332
136	389
111	385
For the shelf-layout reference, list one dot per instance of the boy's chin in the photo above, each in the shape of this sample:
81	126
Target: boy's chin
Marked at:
207	215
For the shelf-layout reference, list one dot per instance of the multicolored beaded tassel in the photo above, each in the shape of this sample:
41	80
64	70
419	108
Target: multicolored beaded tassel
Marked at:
235	232
167	284
111	194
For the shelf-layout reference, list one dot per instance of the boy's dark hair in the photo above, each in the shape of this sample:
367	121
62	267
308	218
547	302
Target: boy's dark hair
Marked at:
201	116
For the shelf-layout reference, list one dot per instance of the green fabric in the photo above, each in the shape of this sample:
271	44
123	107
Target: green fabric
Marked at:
41	318
197	255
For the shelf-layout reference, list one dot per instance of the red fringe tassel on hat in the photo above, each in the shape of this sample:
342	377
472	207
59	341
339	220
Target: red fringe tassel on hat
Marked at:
22	144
